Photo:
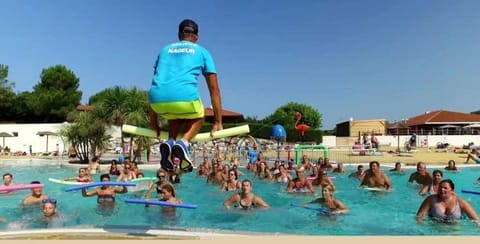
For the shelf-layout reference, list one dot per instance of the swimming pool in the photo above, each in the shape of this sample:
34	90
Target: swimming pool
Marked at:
371	213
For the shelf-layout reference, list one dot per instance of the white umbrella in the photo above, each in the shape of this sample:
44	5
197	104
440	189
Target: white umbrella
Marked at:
476	125
46	133
5	134
448	126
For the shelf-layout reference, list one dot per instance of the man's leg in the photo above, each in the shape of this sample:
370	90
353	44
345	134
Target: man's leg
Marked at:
166	160
180	149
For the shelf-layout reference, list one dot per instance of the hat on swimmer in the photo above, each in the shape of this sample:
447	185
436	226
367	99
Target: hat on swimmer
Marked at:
121	159
188	26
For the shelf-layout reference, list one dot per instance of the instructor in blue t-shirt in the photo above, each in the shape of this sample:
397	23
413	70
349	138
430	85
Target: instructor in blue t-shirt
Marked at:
174	94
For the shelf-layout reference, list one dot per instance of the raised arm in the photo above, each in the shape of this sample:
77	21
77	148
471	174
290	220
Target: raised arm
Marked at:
90	193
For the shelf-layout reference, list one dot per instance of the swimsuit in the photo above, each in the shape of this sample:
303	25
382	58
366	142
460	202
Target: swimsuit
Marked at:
82	179
245	207
437	214
105	199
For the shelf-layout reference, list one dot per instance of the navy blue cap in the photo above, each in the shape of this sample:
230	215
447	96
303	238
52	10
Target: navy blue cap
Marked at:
188	26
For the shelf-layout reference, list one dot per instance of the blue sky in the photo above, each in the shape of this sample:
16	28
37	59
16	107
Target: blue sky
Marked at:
365	59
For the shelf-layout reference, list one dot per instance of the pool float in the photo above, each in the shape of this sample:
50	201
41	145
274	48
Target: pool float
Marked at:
471	192
160	203
20	187
314	177
101	183
374	189
320	210
234	131
144	179
66	182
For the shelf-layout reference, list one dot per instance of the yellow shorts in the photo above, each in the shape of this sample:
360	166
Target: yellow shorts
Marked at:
179	110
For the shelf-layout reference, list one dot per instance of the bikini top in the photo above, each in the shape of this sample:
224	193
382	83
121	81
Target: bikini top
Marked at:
105	199
437	213
85	179
246	207
300	184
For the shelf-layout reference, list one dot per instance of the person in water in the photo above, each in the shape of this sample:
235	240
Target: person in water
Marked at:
83	176
300	183
105	194
36	197
329	203
374	177
157	185
169	195
446	206
245	198
174	94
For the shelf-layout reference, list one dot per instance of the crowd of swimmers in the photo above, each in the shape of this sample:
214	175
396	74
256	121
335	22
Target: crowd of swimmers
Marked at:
440	203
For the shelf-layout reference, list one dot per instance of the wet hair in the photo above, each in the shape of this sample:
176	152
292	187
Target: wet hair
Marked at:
168	187
235	172
450	182
7	174
105	176
374	162
35	182
243	181
329	187
438	171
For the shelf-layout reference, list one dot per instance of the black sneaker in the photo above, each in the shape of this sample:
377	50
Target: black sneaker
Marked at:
165	151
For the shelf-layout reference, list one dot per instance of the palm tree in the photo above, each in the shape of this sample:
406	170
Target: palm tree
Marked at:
121	106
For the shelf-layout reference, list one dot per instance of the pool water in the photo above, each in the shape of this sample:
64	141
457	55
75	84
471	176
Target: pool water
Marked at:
371	213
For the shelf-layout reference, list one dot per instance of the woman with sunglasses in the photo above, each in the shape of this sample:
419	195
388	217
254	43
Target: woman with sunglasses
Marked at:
162	179
105	194
232	183
127	174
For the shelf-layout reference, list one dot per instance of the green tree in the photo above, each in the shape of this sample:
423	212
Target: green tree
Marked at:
7	95
55	95
284	115
23	113
87	134
120	106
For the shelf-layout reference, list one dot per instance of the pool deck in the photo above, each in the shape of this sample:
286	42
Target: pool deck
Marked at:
113	233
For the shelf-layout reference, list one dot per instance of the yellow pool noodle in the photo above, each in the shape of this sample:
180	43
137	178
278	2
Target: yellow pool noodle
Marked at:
234	131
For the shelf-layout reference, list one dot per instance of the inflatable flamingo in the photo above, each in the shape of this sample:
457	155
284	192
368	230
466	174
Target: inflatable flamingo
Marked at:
300	127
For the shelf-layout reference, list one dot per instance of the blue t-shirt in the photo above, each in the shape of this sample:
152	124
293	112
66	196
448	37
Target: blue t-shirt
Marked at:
176	72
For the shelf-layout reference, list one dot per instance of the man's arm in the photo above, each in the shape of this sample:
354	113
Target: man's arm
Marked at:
216	101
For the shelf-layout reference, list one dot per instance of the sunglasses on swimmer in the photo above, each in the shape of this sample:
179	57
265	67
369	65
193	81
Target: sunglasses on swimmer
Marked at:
49	200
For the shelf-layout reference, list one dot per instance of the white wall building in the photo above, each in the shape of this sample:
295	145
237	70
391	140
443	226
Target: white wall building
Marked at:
26	135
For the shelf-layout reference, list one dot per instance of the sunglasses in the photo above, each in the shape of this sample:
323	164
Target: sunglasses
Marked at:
161	176
49	200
